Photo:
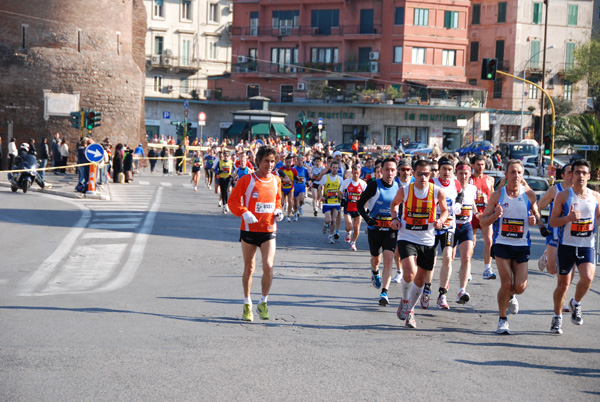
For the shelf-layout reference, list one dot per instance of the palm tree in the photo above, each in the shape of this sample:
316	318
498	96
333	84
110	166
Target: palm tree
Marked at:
583	130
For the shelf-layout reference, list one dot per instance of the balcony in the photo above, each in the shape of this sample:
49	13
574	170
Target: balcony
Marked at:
305	30
170	62
535	69
564	69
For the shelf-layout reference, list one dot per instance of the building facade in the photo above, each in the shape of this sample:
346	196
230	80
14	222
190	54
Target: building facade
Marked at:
186	42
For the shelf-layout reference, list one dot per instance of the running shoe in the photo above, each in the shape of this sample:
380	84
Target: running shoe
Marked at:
575	312
398	277
402	309
503	327
325	227
263	310
247	314
348	237
195	188
542	262
289	219
330	239
220	203
353	246
336	235
513	305
489	274
462	297
566	309
315	212
300	210
556	327
410	320
425	296
442	302
470	277
383	299
376	280
296	217
225	209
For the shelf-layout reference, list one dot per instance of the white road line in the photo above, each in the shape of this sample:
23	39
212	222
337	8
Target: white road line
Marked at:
107	235
113	226
166	184
117	219
116	213
144	183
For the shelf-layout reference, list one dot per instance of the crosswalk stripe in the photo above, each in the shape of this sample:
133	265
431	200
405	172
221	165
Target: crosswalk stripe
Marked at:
165	184
107	235
113	226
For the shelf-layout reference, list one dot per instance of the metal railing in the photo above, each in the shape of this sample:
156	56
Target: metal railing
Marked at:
305	30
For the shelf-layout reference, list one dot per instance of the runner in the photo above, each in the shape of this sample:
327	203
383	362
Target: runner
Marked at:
196	167
463	236
288	176
366	172
329	187
209	158
242	167
548	259
257	199
485	186
404	178
416	235
511	209
575	214
315	172
350	192
224	171
300	179
382	237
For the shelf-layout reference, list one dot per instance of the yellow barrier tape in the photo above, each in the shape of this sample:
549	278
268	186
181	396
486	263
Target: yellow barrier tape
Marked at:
47	168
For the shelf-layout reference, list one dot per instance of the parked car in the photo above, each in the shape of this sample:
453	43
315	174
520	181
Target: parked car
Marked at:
531	163
476	147
417	148
518	150
347	147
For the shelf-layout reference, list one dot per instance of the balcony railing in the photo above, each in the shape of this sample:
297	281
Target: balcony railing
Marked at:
172	62
311	68
304	30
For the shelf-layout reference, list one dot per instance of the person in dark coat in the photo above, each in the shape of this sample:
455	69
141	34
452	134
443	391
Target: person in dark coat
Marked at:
128	165
152	154
117	162
43	156
179	159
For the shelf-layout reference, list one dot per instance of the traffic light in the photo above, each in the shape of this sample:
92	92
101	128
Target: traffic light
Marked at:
92	119
179	129
76	120
188	128
307	129
488	69
547	144
299	129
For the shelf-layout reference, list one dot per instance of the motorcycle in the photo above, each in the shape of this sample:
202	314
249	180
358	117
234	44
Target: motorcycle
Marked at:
23	180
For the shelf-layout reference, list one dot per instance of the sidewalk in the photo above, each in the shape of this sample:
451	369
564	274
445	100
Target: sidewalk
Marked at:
63	185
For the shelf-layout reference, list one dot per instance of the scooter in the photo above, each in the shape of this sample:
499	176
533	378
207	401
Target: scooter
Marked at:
23	180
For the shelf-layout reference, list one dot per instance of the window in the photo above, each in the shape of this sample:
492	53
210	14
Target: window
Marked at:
213	12
476	18
186	10
287	93
569	55
326	55
572	14
212	50
473	81
324	20
474	51
284	58
397	54
567	90
419	55
448	57
286	19
157	83
158	9
537	13
498	88
185	54
399	16
421	17
535	55
533	90
184	86
500	50
502	11
451	19
252	90
254	23
252	57
158	44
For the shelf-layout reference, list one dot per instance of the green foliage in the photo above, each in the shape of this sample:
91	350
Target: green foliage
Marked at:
581	130
587	67
562	107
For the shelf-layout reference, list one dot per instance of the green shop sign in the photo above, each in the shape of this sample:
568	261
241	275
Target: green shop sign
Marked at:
432	117
310	114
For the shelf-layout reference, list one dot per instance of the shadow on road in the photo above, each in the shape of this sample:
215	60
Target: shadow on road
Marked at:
571	371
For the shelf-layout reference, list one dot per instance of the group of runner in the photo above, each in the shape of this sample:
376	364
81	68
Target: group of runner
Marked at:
410	210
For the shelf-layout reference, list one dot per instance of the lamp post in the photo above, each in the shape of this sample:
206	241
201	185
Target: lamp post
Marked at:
523	85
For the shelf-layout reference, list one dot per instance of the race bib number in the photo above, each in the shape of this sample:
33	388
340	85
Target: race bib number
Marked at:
353	197
226	169
465	213
264	207
300	180
383	222
332	194
417	220
513	228
582	228
480	200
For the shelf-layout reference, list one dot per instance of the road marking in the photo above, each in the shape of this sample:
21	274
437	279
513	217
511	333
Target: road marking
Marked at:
107	235
144	183
165	184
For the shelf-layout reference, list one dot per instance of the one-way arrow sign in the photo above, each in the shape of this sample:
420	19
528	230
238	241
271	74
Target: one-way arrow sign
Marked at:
94	152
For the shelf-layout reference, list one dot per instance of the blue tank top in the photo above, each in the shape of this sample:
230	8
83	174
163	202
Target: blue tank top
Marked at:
379	205
559	188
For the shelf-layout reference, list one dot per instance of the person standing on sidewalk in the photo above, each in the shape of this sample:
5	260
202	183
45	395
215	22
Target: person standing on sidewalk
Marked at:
12	153
512	209
43	156
575	213
257	199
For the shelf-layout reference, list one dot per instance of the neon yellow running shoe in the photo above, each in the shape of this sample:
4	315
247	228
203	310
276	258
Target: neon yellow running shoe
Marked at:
263	311
247	314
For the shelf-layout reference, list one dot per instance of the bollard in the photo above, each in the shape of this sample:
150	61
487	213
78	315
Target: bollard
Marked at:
92	179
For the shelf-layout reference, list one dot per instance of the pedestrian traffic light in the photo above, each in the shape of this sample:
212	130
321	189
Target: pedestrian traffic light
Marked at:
307	129
299	129
489	68
76	120
188	128
179	129
547	144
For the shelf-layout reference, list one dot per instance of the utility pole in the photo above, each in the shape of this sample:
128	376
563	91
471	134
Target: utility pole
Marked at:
541	164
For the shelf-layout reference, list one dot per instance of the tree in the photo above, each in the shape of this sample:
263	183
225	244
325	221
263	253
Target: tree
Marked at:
584	130
586	66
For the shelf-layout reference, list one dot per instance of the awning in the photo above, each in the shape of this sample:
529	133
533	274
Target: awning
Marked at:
447	85
260	129
282	130
237	128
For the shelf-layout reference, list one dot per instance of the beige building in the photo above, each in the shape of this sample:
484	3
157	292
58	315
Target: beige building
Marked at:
186	41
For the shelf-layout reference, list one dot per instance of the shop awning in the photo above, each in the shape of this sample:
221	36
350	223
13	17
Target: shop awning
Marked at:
260	129
237	128
282	130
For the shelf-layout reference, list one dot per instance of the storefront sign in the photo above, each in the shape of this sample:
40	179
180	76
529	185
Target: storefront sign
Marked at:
432	117
310	114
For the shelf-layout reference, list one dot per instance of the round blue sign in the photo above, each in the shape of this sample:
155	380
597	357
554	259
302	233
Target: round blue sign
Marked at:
94	152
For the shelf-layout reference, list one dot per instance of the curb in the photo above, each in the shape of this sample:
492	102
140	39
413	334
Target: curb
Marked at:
81	196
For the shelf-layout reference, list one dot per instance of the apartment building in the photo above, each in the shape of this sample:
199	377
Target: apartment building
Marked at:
513	32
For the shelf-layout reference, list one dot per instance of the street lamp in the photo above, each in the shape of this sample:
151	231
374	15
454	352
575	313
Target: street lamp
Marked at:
523	85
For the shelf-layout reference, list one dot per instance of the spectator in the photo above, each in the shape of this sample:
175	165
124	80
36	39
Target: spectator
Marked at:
151	155
12	153
43	156
137	154
64	153
117	162
128	165
179	159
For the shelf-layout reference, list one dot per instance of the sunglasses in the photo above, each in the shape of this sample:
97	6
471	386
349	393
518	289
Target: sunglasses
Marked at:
423	174
405	169
435	170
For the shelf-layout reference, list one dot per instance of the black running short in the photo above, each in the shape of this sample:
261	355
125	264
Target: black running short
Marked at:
256	238
444	240
382	239
425	254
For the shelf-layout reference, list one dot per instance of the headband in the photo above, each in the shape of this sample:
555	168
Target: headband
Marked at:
446	162
463	167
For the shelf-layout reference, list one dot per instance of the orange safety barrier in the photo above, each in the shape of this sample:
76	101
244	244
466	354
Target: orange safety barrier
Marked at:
92	178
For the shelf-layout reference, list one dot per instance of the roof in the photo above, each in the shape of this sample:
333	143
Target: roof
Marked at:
447	85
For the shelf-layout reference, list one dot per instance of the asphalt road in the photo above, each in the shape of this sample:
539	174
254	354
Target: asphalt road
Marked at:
154	313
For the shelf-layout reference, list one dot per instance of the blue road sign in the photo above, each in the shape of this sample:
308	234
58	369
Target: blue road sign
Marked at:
186	105
94	152
320	120
166	115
